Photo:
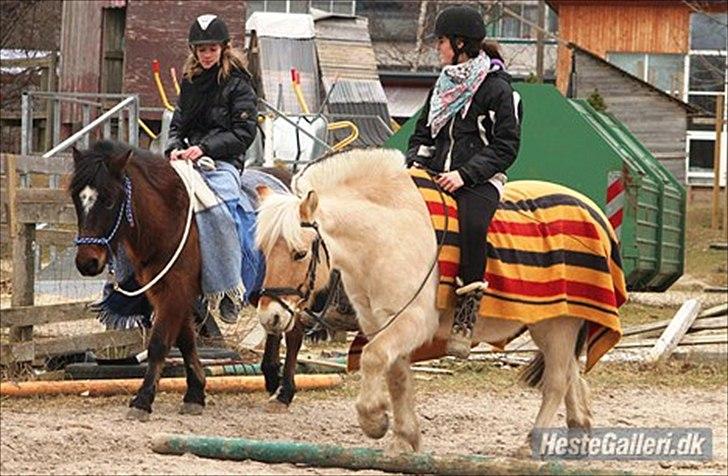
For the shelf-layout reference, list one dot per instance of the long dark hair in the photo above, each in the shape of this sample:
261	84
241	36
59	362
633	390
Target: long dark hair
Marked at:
472	48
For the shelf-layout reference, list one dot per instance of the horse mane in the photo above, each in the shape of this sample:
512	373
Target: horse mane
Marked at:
279	214
93	169
349	169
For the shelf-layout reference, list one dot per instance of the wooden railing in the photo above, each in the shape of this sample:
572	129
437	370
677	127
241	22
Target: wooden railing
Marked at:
20	210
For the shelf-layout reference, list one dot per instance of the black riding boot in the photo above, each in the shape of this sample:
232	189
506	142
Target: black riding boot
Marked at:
466	311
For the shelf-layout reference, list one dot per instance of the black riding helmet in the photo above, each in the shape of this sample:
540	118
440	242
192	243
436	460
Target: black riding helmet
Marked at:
460	22
208	29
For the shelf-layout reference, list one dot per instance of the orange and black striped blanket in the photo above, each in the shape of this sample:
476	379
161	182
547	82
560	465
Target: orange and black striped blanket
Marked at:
551	252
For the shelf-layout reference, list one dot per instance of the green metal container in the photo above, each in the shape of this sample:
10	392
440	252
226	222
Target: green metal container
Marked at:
569	143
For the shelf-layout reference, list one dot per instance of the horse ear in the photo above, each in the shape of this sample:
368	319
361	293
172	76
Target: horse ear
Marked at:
118	163
308	206
263	192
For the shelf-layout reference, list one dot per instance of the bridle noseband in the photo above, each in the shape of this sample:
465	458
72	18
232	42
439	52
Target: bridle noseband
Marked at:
124	211
305	289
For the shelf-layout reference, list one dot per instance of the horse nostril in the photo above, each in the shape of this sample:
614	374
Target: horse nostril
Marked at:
276	320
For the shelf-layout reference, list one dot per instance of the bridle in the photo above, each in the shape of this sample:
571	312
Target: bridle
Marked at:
124	210
306	288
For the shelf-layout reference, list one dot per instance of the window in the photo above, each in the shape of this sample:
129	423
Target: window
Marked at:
502	25
707	72
708	31
664	71
301	6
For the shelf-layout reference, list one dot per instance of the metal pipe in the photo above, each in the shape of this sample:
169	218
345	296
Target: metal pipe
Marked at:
66	143
53	95
85	119
26	123
134	122
56	121
280	114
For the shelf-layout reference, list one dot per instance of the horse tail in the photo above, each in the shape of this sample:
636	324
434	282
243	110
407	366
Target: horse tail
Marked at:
532	374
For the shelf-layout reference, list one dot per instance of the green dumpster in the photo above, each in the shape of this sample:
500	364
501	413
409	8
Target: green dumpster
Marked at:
569	143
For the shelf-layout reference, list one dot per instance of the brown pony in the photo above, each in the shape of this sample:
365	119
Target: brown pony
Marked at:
132	198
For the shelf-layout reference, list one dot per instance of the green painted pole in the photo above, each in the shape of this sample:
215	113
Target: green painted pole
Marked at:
332	456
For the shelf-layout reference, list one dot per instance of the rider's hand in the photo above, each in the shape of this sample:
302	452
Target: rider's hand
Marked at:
450	181
192	153
176	154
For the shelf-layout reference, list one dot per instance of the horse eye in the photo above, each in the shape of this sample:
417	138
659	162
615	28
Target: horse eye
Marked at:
299	255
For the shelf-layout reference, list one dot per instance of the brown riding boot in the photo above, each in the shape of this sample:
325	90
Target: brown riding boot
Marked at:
466	311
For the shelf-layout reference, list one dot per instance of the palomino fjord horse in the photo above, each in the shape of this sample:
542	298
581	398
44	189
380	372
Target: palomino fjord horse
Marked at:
133	198
359	212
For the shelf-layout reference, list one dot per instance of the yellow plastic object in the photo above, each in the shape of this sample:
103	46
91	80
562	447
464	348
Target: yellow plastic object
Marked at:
348	139
394	125
160	88
173	73
146	129
296	84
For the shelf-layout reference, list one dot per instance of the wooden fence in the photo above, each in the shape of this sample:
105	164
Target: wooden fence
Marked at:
20	210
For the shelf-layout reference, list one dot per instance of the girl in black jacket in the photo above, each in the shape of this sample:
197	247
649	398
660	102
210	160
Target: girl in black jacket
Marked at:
469	133
215	117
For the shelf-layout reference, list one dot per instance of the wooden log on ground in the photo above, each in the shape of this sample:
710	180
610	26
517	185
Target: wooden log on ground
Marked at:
675	331
177	385
719	310
334	456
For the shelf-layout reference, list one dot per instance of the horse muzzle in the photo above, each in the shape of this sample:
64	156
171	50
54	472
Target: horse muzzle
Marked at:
90	261
274	318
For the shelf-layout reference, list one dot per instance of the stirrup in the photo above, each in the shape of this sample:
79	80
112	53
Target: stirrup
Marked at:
466	311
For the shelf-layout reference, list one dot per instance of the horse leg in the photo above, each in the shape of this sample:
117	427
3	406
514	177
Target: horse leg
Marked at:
271	365
164	333
557	340
398	340
283	396
578	406
194	399
406	427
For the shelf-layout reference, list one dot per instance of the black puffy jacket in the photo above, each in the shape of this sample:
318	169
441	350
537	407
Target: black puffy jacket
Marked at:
482	144
228	126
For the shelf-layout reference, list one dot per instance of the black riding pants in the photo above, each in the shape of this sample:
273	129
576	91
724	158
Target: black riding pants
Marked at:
476	207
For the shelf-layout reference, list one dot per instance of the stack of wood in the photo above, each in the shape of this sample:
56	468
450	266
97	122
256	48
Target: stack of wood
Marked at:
689	333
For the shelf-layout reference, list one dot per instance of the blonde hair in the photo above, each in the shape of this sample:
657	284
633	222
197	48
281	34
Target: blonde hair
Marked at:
229	58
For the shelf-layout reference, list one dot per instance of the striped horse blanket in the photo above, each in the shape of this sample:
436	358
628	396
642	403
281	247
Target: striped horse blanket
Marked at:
551	252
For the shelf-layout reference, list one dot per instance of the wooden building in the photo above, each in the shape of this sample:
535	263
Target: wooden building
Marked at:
679	47
108	45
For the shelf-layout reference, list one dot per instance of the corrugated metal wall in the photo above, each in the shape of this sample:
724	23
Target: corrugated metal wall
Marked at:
657	121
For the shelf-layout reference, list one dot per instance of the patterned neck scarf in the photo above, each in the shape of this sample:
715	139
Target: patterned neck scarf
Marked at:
455	89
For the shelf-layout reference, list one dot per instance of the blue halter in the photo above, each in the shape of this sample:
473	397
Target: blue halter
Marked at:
125	210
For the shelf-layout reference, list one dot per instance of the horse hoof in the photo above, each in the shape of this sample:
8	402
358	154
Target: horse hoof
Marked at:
275	406
189	408
375	427
138	414
398	446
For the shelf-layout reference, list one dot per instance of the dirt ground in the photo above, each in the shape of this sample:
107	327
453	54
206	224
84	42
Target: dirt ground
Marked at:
77	435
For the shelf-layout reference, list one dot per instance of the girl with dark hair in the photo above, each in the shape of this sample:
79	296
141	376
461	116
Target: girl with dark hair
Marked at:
469	134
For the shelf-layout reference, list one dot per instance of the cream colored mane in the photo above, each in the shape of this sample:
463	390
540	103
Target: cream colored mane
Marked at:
368	170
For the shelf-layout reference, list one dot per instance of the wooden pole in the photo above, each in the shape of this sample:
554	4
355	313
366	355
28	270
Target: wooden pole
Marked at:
177	385
540	39
715	215
675	331
335	456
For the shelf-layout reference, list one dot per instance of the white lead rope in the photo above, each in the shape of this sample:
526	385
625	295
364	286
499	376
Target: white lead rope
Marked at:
171	262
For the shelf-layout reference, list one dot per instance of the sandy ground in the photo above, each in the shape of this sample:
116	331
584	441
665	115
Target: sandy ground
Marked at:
77	435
